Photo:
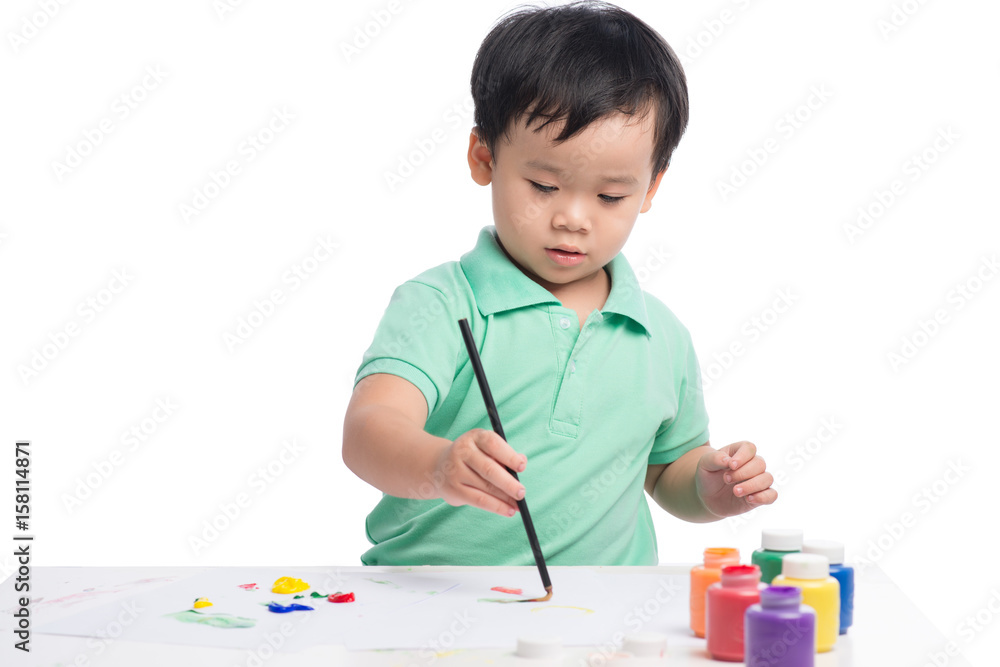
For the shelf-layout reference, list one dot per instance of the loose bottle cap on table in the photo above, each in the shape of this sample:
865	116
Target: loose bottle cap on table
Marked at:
834	551
805	566
539	647
781	539
646	644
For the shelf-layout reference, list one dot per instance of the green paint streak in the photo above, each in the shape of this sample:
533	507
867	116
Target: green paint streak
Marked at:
389	583
301	596
314	594
213	620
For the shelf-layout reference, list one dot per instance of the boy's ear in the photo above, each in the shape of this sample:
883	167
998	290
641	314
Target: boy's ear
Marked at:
480	160
648	201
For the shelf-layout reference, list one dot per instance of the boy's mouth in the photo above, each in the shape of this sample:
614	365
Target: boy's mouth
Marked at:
568	249
563	256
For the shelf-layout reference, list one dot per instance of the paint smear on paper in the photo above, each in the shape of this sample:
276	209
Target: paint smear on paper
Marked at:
200	603
289	585
91	594
559	606
284	609
213	620
314	594
512	591
341	597
249	587
387	583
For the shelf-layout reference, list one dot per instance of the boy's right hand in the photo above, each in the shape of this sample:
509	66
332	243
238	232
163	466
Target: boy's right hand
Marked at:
471	472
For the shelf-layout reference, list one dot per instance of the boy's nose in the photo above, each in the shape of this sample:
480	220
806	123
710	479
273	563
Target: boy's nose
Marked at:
571	216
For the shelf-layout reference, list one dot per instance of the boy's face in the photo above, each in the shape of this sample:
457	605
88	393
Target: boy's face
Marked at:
583	194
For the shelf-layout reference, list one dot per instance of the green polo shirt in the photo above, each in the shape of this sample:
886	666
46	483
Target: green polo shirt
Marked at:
590	408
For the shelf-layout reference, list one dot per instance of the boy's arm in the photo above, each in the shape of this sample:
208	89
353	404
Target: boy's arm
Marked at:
385	444
707	484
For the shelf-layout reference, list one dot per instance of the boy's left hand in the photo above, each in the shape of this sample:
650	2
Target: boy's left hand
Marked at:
733	480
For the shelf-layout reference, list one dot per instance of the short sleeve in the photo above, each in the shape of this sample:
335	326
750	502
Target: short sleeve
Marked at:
689	426
417	339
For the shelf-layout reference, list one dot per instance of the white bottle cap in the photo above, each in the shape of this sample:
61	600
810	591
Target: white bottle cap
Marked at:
646	645
805	566
834	551
539	647
781	539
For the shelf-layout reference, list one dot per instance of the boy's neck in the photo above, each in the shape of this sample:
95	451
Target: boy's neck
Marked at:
595	288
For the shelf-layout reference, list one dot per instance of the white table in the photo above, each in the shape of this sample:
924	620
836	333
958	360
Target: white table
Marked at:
888	630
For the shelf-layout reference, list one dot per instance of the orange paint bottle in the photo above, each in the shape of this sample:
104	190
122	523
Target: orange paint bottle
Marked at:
703	576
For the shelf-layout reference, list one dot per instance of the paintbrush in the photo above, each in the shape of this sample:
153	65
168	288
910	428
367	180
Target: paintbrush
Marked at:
522	505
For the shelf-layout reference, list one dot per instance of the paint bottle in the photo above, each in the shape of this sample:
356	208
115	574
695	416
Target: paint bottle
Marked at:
811	573
780	631
775	543
703	576
727	602
844	574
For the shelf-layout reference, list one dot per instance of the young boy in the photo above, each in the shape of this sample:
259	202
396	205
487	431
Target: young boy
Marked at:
578	109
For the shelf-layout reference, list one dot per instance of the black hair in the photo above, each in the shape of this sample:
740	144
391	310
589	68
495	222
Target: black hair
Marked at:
577	62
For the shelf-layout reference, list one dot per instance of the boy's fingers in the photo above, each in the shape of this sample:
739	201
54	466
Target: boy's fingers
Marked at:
485	501
487	467
754	485
765	497
741	453
747	471
497	448
492	489
717	459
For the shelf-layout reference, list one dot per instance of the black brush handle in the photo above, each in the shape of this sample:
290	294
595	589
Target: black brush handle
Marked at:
491	410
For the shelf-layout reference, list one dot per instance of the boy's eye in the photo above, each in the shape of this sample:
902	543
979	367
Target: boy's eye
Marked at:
549	189
542	188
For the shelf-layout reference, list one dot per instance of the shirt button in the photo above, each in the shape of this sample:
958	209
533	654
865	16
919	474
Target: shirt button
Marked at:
572	366
564	322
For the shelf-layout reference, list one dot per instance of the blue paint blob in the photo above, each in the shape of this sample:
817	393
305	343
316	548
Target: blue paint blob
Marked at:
284	609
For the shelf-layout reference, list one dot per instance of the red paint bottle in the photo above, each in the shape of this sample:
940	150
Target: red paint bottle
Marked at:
727	603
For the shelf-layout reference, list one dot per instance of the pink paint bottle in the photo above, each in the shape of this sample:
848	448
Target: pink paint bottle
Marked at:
703	576
727	603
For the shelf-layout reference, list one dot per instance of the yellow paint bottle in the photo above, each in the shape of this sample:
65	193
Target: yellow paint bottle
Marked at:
811	573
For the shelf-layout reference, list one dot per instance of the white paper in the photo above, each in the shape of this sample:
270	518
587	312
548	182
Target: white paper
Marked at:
428	611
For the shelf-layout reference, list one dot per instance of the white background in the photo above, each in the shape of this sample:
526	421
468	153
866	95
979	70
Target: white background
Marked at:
894	76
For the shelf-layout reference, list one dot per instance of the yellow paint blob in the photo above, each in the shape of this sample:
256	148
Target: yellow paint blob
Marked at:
559	606
201	603
289	585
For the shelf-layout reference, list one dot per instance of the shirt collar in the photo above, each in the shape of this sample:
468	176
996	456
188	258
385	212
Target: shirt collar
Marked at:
499	285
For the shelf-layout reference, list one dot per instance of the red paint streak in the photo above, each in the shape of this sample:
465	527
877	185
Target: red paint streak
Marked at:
341	597
512	591
248	587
